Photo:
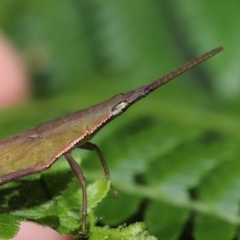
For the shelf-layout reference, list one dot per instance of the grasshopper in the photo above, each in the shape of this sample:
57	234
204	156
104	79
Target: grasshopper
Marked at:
36	149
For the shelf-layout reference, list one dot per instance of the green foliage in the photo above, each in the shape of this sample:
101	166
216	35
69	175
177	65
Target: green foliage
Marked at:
174	157
61	212
135	231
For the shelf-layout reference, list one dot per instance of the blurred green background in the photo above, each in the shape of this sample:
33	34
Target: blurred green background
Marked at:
172	153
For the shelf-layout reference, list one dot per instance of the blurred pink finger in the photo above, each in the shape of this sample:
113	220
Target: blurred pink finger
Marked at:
30	231
14	79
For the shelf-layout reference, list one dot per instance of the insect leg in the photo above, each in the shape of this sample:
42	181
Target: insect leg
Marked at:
93	147
79	174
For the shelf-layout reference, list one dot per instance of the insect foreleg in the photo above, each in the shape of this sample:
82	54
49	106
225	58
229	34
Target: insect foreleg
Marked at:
79	174
93	147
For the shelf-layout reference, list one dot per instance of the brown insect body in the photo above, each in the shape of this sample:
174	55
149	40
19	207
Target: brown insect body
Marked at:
23	156
36	149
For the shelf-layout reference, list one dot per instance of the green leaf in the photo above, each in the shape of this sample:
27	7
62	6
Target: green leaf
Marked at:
210	227
9	226
172	221
62	212
133	232
111	210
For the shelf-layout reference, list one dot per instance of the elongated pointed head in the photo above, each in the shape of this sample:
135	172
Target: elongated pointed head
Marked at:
121	102
102	113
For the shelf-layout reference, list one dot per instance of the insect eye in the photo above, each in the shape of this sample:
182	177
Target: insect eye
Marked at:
118	108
